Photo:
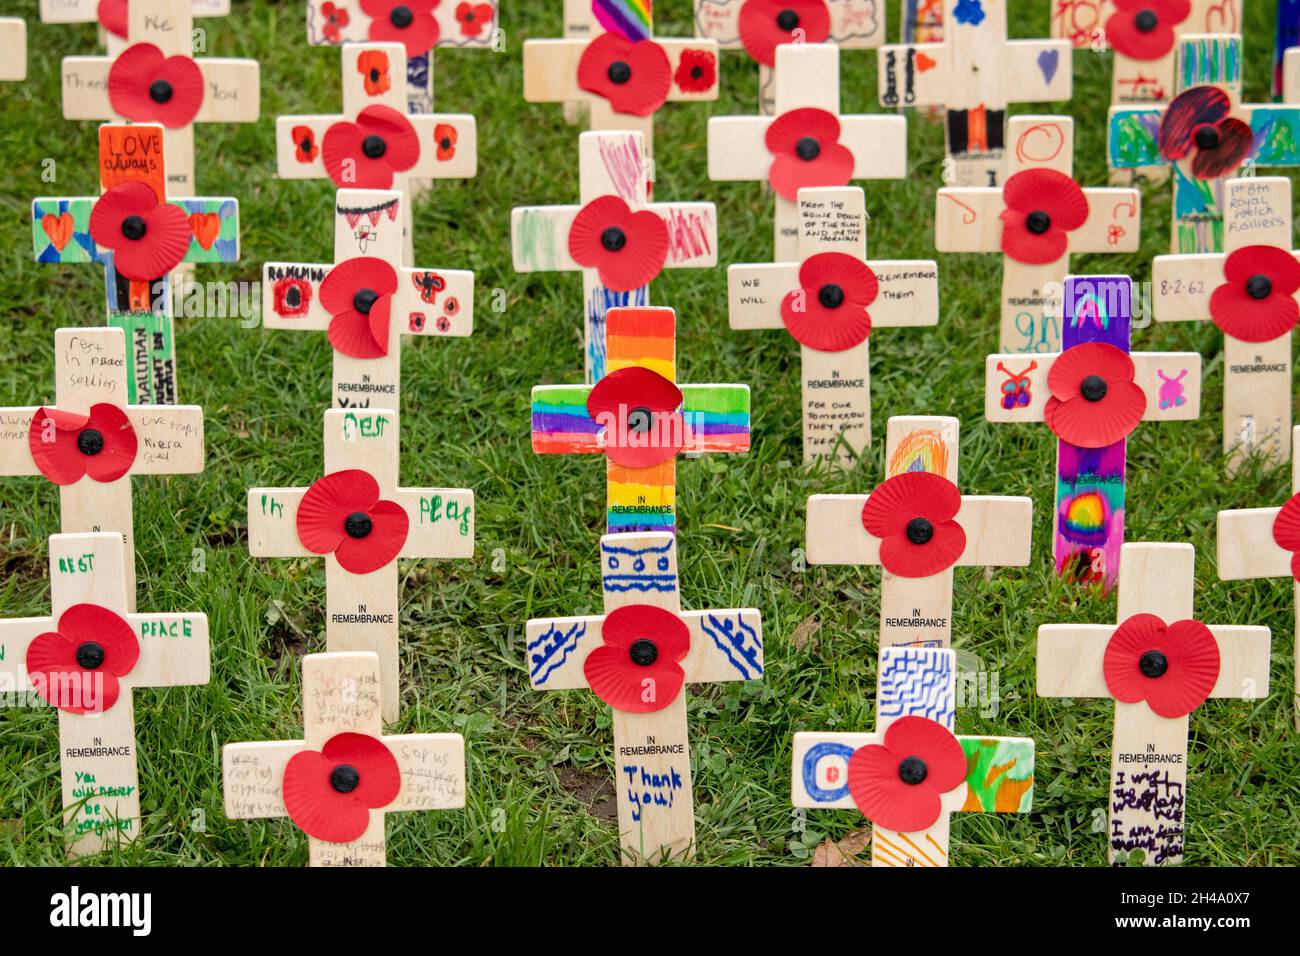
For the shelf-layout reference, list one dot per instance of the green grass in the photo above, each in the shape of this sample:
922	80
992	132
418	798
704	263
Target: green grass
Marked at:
540	778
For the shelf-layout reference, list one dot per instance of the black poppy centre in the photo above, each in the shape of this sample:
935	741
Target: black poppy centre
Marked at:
90	442
1146	21
1093	388
831	296
807	148
90	655
401	17
364	300
358	525
1153	664
374	146
1259	287
344	778
305	144
643	652
619	72
613	239
639	420
160	91
787	20
920	531
1038	222
912	770
133	227
1207	137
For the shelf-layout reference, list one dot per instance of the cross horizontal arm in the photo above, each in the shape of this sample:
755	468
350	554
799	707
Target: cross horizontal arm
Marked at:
561	425
540	236
1181	286
1131	137
1112	220
896	63
717	417
174	650
1148	367
461	164
551	70
1037	71
169	440
1246	548
908	296
16	634
738	151
230	89
969	219
61	230
87	11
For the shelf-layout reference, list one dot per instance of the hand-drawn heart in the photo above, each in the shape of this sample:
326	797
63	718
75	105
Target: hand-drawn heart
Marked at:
1048	62
58	228
205	226
924	63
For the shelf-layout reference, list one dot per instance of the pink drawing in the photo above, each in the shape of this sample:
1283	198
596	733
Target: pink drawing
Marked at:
1171	390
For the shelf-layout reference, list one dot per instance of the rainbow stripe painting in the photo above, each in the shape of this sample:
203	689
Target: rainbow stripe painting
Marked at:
631	19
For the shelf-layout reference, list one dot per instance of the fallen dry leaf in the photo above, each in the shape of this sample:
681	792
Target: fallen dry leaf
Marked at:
843	853
804	632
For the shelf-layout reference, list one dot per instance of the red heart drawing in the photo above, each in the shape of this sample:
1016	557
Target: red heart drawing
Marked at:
924	63
205	226
58	228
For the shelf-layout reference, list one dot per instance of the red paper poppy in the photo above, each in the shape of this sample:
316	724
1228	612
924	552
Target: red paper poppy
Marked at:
342	514
145	86
828	311
1199	122
304	144
634	75
806	151
444	141
473	18
637	668
1042	208
66	447
373	67
1095	401
409	22
330	792
764	24
626	248
365	154
899	784
639	411
697	71
336	19
1172	667
1286	532
112	15
78	667
1144	29
148	238
358	294
1257	301
913	515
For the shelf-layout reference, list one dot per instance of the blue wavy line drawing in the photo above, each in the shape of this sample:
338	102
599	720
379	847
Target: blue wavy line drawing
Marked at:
739	641
627	569
553	642
916	681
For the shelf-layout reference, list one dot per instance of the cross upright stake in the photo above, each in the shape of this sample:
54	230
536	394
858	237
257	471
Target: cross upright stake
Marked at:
137	301
1028	219
1291	76
1158	665
13	49
92	441
367	273
916	692
830	300
1250	291
112	16
973	73
310	780
637	657
1205	136
213	89
86	658
611	195
640	419
1091	395
916	586
361	522
807	142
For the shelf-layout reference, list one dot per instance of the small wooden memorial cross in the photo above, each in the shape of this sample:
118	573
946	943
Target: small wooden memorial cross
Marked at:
973	73
616	271
585	19
345	776
433	303
1251	293
1263	543
807	142
373	143
13	49
640	419
1092	395
1036	218
155	80
637	657
892	776
112	16
91	442
1158	665
471	24
85	659
361	522
924	529
137	260
758	27
1205	135
830	301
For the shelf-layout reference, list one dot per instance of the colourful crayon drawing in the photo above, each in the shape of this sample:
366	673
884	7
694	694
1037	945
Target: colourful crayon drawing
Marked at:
1171	389
921	450
999	775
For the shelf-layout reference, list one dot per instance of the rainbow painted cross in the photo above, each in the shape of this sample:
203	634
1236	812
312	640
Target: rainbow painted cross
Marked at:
1088	518
640	419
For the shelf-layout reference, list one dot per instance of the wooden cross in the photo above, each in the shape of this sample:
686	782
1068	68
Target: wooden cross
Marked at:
1248	547
849	24
341	700
1257	369
1291	76
93	11
86	658
1132	664
1209	81
141	305
974	72
425	302
836	377
807	78
917	610
915	683
462	25
610	164
230	87
969	219
13	49
1088	516
362	607
447	142
713	418
85	422
640	653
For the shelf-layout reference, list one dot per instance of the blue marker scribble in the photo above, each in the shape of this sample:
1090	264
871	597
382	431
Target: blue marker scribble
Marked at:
551	649
917	682
638	569
645	788
815	755
600	302
968	12
739	641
